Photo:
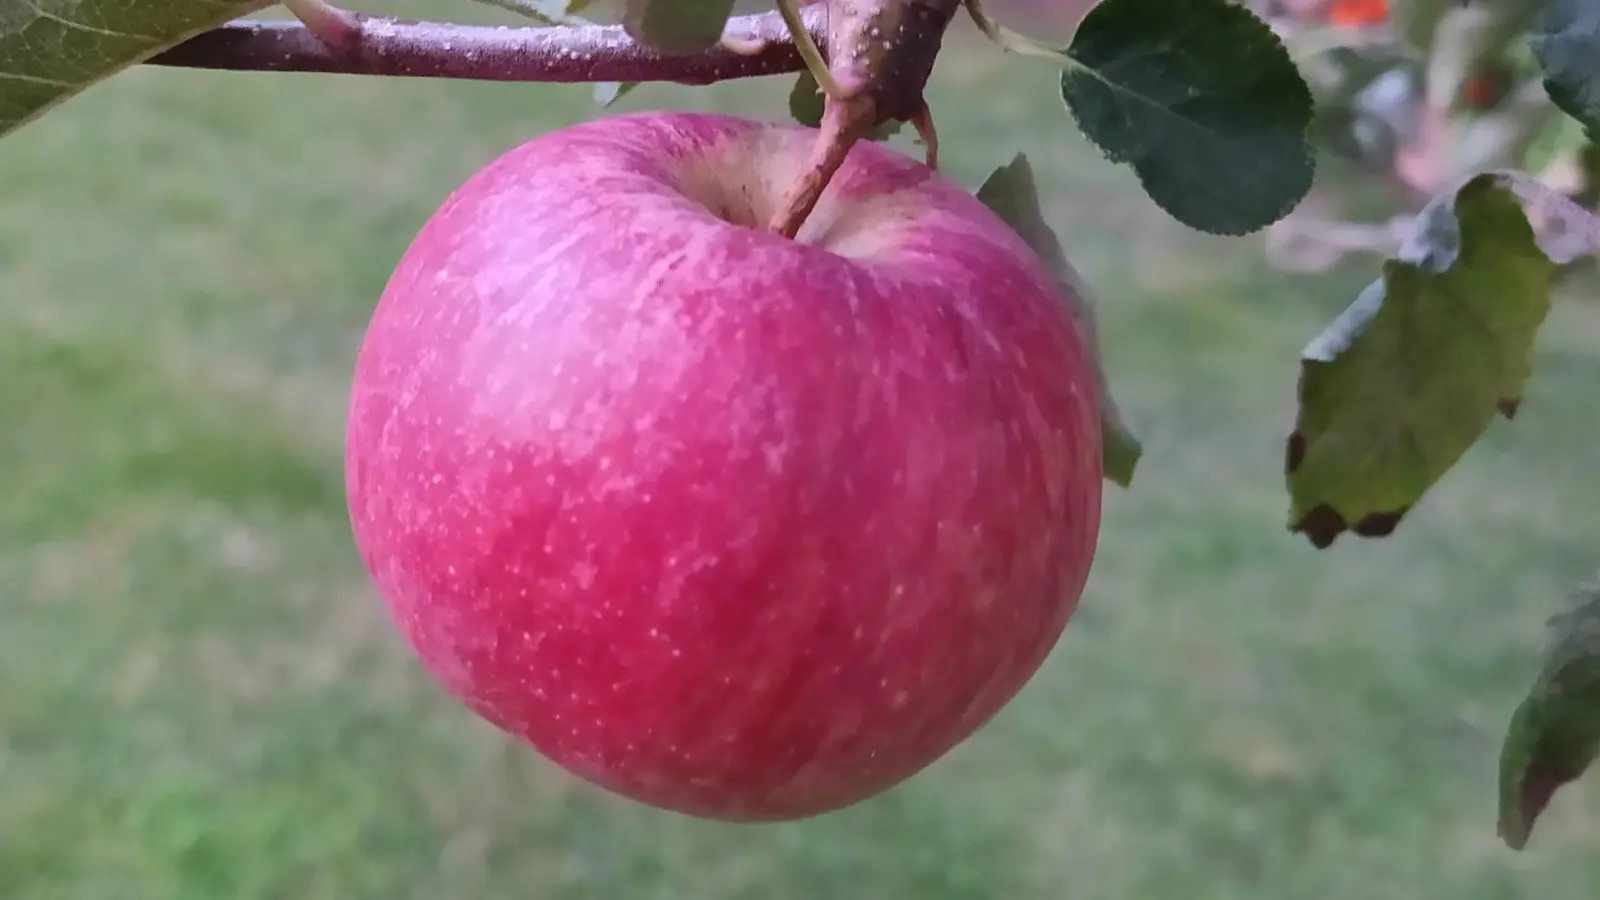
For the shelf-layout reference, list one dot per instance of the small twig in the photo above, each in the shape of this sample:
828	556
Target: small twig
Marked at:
338	28
922	121
1308	241
809	51
565	54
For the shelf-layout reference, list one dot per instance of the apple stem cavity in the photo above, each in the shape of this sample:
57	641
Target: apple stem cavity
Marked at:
841	129
556	54
880	55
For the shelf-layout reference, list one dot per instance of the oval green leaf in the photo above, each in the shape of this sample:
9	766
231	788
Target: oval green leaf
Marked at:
1202	100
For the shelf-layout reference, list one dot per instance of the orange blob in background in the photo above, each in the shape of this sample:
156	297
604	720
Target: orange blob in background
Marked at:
1358	12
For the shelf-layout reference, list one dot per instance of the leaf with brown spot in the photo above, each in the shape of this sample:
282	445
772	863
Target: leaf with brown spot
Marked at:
1395	390
1554	735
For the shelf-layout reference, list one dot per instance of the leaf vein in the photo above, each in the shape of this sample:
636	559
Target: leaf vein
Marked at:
36	79
41	13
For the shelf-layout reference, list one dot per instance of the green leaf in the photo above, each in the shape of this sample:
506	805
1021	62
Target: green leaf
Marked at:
1566	44
1396	390
52	49
546	12
676	26
806	100
1202	100
1013	196
609	92
1554	734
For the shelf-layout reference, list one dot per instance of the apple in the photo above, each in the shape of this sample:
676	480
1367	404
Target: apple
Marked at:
736	526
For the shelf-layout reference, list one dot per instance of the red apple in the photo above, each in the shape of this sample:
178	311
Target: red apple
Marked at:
733	525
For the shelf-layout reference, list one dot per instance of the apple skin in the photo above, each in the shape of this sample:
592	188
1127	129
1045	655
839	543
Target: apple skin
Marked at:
735	526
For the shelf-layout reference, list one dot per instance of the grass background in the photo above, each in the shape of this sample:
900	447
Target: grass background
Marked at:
200	697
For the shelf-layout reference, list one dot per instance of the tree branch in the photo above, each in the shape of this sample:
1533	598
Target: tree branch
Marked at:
554	54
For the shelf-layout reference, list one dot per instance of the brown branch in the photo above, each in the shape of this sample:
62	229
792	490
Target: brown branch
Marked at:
555	54
881	55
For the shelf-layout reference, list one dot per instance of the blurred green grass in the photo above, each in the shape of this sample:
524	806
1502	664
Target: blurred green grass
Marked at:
200	697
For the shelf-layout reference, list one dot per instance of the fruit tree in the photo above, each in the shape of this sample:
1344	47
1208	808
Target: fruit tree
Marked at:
745	468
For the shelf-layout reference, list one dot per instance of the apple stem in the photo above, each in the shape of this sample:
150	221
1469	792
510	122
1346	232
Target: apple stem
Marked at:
557	54
841	129
880	55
